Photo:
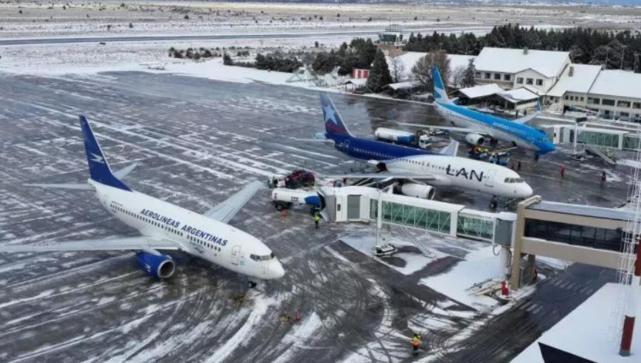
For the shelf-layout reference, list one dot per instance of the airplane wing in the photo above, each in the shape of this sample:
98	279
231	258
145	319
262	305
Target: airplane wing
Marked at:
69	186
226	210
530	117
105	244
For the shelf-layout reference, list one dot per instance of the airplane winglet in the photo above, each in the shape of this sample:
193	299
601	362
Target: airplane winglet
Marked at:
451	149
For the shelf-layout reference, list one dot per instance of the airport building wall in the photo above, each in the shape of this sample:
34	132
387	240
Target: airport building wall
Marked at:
578	233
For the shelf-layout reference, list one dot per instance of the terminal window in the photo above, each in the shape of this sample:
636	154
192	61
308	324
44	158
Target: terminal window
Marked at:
607	102
607	239
519	80
539	82
636	105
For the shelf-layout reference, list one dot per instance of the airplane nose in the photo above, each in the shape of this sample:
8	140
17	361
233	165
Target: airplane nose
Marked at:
547	147
525	191
276	270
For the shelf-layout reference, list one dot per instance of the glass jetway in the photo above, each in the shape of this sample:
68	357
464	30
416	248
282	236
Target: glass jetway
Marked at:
360	204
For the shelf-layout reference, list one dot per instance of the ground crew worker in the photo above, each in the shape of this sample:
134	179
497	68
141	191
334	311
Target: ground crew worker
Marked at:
493	203
316	219
518	166
603	178
562	171
416	343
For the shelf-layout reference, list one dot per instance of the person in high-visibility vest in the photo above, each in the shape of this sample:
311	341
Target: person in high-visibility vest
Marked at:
416	343
317	219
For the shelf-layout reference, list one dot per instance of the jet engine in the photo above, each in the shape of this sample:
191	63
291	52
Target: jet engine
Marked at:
418	190
474	139
156	264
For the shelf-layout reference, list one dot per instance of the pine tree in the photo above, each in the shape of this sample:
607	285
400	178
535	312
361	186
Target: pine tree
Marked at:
468	75
379	75
227	60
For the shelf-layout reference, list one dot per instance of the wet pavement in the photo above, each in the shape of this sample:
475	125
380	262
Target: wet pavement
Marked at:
196	141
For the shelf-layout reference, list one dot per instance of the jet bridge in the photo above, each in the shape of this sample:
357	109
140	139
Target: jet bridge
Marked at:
360	204
571	232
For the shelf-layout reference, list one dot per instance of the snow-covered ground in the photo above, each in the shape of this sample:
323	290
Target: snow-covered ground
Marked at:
584	332
479	266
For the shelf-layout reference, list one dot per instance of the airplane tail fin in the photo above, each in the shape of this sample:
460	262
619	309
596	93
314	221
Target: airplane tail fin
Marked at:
440	92
99	169
451	149
334	125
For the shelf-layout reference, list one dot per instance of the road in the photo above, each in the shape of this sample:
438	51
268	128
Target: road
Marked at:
249	36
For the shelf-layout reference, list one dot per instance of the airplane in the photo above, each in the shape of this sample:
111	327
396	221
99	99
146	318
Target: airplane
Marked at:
165	226
408	163
478	125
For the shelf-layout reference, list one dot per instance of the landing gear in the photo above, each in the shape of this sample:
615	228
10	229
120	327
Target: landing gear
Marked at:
251	284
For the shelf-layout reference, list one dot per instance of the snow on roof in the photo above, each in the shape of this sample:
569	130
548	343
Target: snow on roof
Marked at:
518	95
356	81
403	85
582	78
510	60
459	60
617	83
584	332
481	90
409	59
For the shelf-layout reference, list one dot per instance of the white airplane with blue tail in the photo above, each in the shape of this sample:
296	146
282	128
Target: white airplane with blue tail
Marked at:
165	226
478	125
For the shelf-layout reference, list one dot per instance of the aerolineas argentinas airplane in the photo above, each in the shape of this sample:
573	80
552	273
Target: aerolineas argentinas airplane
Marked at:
165	226
478	125
414	164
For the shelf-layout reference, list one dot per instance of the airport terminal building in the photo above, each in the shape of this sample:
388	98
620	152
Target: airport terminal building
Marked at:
552	77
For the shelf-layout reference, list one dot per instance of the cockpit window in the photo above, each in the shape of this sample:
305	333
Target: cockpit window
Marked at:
262	258
513	180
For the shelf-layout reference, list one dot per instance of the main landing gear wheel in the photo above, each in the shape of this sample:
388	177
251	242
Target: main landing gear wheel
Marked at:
251	284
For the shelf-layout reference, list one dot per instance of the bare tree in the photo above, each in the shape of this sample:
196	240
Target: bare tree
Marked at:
422	70
458	76
397	69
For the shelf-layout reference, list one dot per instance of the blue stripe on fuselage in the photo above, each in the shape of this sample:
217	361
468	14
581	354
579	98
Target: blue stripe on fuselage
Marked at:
527	134
373	150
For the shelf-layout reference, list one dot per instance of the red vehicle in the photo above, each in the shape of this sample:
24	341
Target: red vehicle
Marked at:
299	178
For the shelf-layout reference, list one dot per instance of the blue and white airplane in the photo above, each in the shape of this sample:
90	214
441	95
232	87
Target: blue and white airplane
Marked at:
414	164
165	226
478	125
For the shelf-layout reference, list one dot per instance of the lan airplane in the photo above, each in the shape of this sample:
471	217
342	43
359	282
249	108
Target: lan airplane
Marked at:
478	125
408	163
165	226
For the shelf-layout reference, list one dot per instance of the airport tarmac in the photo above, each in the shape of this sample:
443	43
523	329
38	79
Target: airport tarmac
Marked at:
196	141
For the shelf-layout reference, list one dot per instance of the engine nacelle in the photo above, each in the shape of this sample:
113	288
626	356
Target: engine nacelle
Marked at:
474	139
156	264
418	190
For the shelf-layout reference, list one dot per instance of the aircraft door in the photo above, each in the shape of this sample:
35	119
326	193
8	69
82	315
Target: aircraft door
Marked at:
235	255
